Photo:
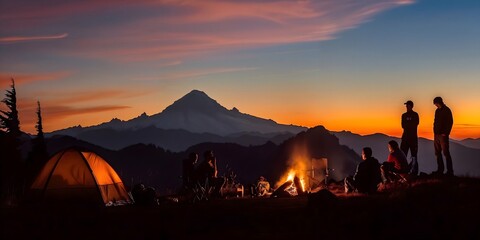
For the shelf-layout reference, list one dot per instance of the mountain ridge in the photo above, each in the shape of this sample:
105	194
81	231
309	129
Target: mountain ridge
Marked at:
195	112
466	160
192	119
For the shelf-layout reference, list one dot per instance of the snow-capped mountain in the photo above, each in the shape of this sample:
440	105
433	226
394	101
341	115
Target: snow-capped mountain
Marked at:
194	113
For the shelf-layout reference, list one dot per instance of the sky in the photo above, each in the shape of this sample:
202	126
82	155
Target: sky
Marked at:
344	64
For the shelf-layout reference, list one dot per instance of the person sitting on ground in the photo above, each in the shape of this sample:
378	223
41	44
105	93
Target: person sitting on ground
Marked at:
396	163
263	187
367	176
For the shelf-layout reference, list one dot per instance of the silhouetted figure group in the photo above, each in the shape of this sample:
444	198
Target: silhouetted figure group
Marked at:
369	173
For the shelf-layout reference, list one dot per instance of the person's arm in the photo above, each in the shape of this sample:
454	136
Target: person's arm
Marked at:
358	172
449	122
214	160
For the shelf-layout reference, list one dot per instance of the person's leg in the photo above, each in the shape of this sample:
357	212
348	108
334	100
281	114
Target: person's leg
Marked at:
383	172
404	146
414	151
437	143
446	152
349	184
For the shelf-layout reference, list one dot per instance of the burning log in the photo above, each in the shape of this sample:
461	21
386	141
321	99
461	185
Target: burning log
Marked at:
282	190
298	185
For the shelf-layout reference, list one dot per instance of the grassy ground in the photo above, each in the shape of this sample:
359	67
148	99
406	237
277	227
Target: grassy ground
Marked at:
427	209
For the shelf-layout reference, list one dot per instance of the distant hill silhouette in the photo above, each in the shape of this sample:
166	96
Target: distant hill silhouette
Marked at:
155	166
161	168
174	139
466	161
318	143
470	142
193	119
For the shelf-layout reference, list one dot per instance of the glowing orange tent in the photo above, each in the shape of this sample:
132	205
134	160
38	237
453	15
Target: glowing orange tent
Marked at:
79	176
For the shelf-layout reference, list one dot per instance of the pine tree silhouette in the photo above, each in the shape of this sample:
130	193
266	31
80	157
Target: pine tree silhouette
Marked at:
39	155
11	161
9	119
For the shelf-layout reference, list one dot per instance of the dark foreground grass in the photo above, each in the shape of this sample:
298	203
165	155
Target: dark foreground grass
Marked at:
428	209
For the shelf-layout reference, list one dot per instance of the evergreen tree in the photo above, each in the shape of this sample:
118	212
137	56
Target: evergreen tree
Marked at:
11	160
9	119
39	125
39	155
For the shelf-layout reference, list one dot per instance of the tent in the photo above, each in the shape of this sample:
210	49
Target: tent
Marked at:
79	176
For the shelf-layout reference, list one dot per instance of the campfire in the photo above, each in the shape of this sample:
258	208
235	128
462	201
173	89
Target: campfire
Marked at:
294	185
305	174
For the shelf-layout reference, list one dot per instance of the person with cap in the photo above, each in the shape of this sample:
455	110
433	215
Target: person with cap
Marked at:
410	121
442	126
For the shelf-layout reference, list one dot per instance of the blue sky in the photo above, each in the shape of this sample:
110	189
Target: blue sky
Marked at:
347	65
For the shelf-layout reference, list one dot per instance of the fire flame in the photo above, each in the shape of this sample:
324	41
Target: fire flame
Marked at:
299	160
292	189
290	176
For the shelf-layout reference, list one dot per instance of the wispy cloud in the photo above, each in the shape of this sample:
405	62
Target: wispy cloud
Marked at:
27	78
16	39
59	112
78	98
60	105
169	64
178	29
194	73
54	113
467	125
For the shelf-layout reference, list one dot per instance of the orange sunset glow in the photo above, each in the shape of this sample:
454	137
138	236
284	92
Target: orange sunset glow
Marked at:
344	65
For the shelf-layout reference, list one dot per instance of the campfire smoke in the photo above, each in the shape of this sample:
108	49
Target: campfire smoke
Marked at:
296	174
303	172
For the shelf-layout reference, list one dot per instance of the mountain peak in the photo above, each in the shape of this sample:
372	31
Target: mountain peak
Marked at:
197	93
195	100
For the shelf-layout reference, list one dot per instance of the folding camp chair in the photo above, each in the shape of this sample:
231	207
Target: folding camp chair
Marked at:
394	181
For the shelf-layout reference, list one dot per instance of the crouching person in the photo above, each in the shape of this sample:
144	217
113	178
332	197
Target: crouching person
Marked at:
367	176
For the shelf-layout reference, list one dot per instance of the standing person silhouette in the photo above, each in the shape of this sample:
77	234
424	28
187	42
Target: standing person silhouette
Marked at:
410	121
208	169
442	126
188	170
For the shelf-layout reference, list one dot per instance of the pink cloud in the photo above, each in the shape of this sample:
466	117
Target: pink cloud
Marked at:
57	112
186	28
205	72
33	14
200	27
27	78
194	73
15	39
78	97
